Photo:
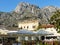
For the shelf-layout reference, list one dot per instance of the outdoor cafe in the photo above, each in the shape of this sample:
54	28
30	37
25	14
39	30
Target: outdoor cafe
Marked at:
27	37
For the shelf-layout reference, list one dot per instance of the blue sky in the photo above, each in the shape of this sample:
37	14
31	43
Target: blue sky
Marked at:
10	5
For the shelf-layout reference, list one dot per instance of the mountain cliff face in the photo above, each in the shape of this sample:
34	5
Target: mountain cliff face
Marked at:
27	11
43	14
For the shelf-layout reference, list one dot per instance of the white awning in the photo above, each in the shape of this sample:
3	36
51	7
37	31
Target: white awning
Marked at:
22	32
43	32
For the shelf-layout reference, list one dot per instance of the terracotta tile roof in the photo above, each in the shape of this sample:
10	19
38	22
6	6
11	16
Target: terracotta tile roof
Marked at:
47	26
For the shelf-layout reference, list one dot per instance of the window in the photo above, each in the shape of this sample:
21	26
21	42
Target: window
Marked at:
24	26
33	26
20	27
27	27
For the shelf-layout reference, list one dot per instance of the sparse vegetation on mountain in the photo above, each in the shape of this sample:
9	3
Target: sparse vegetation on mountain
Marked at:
26	11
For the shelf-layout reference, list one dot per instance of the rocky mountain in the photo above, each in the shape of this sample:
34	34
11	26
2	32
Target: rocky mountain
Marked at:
43	14
27	11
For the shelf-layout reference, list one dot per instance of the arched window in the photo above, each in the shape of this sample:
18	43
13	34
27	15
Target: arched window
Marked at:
33	26
20	27
27	27
24	26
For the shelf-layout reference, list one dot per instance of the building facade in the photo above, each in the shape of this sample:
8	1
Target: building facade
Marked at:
28	24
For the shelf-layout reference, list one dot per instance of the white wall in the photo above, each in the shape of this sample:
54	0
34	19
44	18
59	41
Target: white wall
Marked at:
30	25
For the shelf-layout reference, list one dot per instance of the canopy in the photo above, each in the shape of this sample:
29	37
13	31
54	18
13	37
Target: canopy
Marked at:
22	32
28	32
43	32
56	34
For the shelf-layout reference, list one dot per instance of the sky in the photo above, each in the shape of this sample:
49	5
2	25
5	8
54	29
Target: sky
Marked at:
10	5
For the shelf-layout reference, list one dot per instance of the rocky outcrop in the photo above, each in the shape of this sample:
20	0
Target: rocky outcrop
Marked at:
27	11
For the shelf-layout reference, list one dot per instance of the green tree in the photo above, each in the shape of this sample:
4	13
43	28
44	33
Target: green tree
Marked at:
55	19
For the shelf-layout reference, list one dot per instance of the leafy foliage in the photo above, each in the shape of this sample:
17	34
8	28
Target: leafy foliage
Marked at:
55	19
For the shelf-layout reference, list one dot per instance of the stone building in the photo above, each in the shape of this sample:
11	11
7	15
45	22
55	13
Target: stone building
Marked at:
28	24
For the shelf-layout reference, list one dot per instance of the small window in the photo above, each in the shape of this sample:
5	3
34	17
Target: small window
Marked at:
20	27
27	27
24	26
33	26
